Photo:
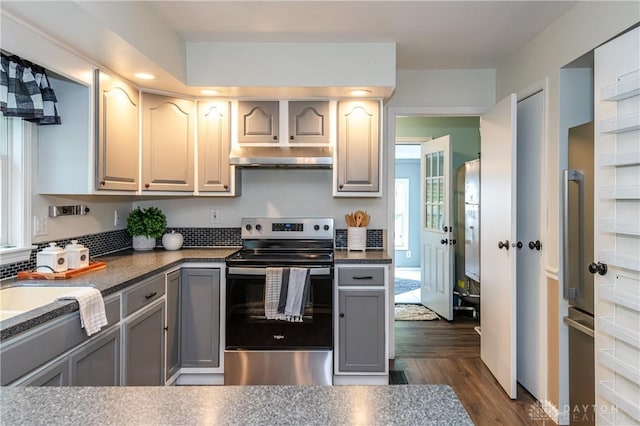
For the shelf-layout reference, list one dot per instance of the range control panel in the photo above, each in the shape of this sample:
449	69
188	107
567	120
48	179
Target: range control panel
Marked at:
287	228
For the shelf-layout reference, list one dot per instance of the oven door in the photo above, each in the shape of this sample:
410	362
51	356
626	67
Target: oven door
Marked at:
247	327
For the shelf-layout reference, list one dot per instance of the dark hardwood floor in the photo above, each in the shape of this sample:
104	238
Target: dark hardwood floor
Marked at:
442	352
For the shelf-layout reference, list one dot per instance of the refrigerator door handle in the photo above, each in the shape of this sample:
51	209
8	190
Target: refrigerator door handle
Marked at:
578	326
570	175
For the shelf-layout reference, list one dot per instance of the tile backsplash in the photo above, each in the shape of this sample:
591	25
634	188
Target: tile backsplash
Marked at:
113	241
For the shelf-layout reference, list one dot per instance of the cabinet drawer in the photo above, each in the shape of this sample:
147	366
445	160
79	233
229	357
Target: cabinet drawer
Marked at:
142	294
47	342
370	276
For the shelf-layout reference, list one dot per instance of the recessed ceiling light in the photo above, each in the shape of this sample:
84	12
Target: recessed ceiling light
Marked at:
210	92
144	76
359	92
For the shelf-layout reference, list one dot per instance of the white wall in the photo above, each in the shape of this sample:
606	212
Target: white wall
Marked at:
282	192
440	88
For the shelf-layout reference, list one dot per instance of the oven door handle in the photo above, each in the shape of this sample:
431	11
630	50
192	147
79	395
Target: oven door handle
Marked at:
263	271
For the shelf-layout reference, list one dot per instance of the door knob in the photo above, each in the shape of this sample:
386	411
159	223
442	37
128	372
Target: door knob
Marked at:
518	245
444	241
503	245
535	245
600	268
452	242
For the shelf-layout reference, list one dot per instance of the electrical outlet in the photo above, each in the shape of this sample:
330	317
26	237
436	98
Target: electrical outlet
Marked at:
116	218
40	226
408	254
215	216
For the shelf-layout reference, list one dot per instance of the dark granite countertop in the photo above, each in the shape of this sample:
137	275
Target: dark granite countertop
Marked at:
234	405
128	267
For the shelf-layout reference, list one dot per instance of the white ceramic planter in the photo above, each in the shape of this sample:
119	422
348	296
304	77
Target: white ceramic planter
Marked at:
142	243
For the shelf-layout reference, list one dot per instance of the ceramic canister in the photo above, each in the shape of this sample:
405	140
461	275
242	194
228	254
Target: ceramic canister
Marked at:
52	259
78	255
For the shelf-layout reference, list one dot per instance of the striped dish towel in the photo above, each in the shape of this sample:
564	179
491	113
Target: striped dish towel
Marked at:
92	313
273	284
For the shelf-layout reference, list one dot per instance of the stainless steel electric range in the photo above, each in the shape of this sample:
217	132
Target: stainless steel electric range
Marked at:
279	303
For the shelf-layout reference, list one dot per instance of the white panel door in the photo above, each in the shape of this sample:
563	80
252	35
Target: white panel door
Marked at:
497	234
529	248
437	237
617	229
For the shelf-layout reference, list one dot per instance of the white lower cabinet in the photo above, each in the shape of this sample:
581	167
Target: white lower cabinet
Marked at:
361	325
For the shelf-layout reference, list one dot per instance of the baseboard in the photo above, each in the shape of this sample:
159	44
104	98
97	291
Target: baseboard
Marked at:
361	380
200	379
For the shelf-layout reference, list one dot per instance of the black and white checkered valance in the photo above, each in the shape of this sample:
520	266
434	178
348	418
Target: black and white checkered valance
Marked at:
25	92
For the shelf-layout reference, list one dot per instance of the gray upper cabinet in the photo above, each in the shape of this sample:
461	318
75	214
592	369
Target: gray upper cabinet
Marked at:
144	347
258	122
98	362
214	145
200	317
117	124
358	159
361	333
173	323
167	143
309	122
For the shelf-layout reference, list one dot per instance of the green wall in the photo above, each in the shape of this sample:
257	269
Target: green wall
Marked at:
465	136
464	131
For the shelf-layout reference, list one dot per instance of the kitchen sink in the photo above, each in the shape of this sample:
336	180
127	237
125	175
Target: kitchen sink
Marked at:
17	300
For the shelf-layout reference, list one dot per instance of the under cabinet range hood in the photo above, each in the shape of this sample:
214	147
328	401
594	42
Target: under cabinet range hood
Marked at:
282	156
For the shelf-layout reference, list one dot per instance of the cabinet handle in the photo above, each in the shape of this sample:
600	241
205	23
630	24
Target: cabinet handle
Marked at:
225	186
341	186
150	295
292	137
275	138
146	185
362	277
166	329
102	183
341	314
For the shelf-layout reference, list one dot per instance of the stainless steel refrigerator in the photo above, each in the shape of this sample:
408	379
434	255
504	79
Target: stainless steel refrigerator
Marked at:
578	270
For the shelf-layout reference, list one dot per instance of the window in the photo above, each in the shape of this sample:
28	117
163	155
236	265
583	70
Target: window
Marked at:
402	214
16	138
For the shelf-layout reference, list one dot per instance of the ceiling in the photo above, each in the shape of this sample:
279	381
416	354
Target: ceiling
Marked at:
428	34
125	36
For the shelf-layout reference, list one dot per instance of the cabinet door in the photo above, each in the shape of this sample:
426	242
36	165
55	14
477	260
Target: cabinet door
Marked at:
98	363
167	143
200	316
258	121
361	331
358	146
214	144
117	133
56	374
309	122
144	348
173	323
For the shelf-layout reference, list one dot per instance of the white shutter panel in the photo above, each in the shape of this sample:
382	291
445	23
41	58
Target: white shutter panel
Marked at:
617	233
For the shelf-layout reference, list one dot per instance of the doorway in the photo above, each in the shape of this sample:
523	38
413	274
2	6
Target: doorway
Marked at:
407	221
411	133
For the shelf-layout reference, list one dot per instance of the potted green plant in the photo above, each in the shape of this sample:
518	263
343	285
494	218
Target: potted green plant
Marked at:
145	225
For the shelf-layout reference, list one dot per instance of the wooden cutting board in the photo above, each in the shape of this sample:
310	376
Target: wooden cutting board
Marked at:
30	275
